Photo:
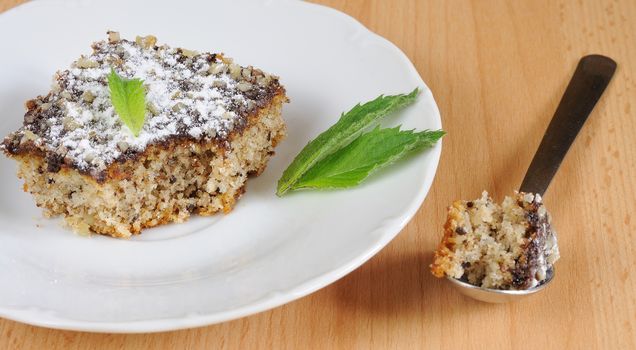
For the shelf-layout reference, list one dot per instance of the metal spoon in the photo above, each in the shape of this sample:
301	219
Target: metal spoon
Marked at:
590	79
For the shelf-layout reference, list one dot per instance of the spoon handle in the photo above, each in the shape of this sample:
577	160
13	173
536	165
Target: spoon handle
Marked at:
590	79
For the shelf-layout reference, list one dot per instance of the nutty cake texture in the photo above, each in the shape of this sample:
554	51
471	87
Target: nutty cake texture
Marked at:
210	124
503	246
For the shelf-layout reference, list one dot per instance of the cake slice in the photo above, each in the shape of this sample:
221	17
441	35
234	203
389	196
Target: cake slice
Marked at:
503	246
210	124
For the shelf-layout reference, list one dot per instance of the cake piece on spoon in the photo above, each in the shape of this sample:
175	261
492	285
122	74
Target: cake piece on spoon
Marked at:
509	246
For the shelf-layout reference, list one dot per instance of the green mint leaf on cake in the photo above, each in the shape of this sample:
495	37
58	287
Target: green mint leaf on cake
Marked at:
376	149
129	99
347	128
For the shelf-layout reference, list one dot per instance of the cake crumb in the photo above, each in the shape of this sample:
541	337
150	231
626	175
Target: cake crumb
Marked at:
509	246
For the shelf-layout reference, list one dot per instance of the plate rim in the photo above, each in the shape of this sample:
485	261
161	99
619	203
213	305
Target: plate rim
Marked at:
45	318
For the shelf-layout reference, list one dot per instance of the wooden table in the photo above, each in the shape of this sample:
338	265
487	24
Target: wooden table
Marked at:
497	69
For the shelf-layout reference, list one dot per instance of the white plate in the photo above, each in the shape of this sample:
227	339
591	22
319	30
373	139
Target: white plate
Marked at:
269	250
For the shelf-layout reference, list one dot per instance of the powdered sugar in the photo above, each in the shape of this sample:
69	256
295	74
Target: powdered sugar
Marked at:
197	96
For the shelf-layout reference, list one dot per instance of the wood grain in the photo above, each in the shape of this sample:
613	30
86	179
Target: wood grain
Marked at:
497	69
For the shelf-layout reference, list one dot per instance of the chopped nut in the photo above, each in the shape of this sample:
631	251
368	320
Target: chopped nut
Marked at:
29	118
152	108
264	80
176	95
28	136
257	72
66	95
45	106
88	96
217	68
69	124
178	106
113	37
244	86
61	150
55	87
30	105
247	73
189	53
219	84
235	70
114	61
84	62
228	115
146	42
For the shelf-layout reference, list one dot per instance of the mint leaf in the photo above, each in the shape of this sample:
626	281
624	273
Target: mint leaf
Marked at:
129	99
340	134
369	152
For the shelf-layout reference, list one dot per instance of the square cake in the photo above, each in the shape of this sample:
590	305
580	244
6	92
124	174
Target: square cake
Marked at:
209	125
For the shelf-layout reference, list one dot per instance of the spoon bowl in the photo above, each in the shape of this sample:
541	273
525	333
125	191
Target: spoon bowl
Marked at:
497	296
